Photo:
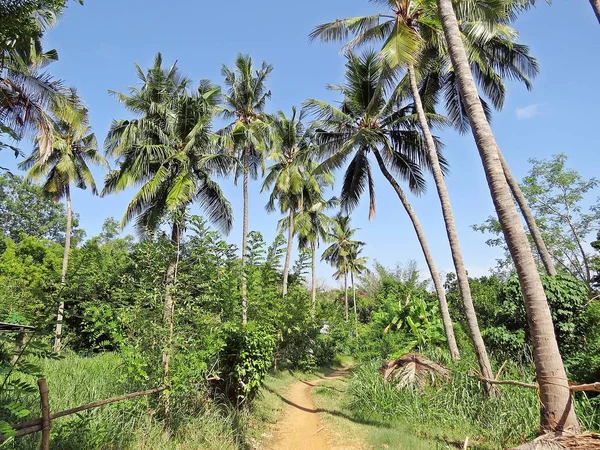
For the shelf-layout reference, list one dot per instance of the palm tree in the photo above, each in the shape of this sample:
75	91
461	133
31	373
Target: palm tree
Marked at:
246	137
74	149
414	24
557	411
312	225
356	265
337	253
168	152
372	121
290	178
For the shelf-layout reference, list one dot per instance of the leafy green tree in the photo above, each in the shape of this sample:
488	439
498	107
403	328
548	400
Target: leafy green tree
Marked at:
246	137
27	211
373	120
557	411
169	152
74	149
558	199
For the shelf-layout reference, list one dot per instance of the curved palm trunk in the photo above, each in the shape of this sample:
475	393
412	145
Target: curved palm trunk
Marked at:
459	265
536	234
346	295
63	275
557	411
313	251
437	282
169	318
288	254
596	6
245	240
354	304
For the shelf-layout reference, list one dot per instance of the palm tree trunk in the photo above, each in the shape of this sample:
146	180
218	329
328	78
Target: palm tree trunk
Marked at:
169	318
596	5
288	254
459	265
313	251
245	239
536	234
346	295
437	282
63	276
354	304
557	410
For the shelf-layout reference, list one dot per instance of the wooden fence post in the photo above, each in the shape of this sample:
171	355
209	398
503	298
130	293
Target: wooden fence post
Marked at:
45	444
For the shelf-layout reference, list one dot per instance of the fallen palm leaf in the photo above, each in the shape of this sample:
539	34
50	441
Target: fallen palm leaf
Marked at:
412	369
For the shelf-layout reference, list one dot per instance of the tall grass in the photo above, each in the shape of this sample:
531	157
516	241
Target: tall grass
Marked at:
452	411
126	425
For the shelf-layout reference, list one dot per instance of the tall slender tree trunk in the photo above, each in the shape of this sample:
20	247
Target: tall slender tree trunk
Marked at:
245	239
459	265
437	282
354	304
536	234
288	253
169	318
596	6
63	275
313	252
557	410
346	296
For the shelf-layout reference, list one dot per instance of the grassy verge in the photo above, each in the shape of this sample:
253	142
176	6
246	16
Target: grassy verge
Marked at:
353	429
127	425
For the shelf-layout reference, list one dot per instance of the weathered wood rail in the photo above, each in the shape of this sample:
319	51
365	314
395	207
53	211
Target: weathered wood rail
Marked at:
44	423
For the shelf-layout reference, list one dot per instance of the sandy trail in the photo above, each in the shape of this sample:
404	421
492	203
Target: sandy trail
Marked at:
301	427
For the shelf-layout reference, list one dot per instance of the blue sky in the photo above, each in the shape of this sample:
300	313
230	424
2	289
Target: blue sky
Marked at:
99	43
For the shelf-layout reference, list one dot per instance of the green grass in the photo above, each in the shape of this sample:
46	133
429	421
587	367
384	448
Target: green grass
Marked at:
357	430
126	425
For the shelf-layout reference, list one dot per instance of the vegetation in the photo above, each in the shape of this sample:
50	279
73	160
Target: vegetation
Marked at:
224	330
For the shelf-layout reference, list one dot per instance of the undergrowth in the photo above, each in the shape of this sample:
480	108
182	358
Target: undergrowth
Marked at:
453	411
198	422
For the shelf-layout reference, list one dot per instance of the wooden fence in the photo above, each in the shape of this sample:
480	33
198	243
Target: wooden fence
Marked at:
44	423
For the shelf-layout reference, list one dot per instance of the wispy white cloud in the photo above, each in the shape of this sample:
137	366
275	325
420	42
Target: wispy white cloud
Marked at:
529	112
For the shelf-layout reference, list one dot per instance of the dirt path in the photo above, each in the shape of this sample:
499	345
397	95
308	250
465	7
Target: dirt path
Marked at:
301	427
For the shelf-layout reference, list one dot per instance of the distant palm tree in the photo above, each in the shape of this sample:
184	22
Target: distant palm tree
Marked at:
168	151
356	265
557	410
291	178
312	225
246	137
373	121
74	148
342	245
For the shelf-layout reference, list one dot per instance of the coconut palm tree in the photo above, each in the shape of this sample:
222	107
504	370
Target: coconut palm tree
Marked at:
244	102
291	179
74	149
342	244
168	152
312	225
374	121
414	24
356	265
557	411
